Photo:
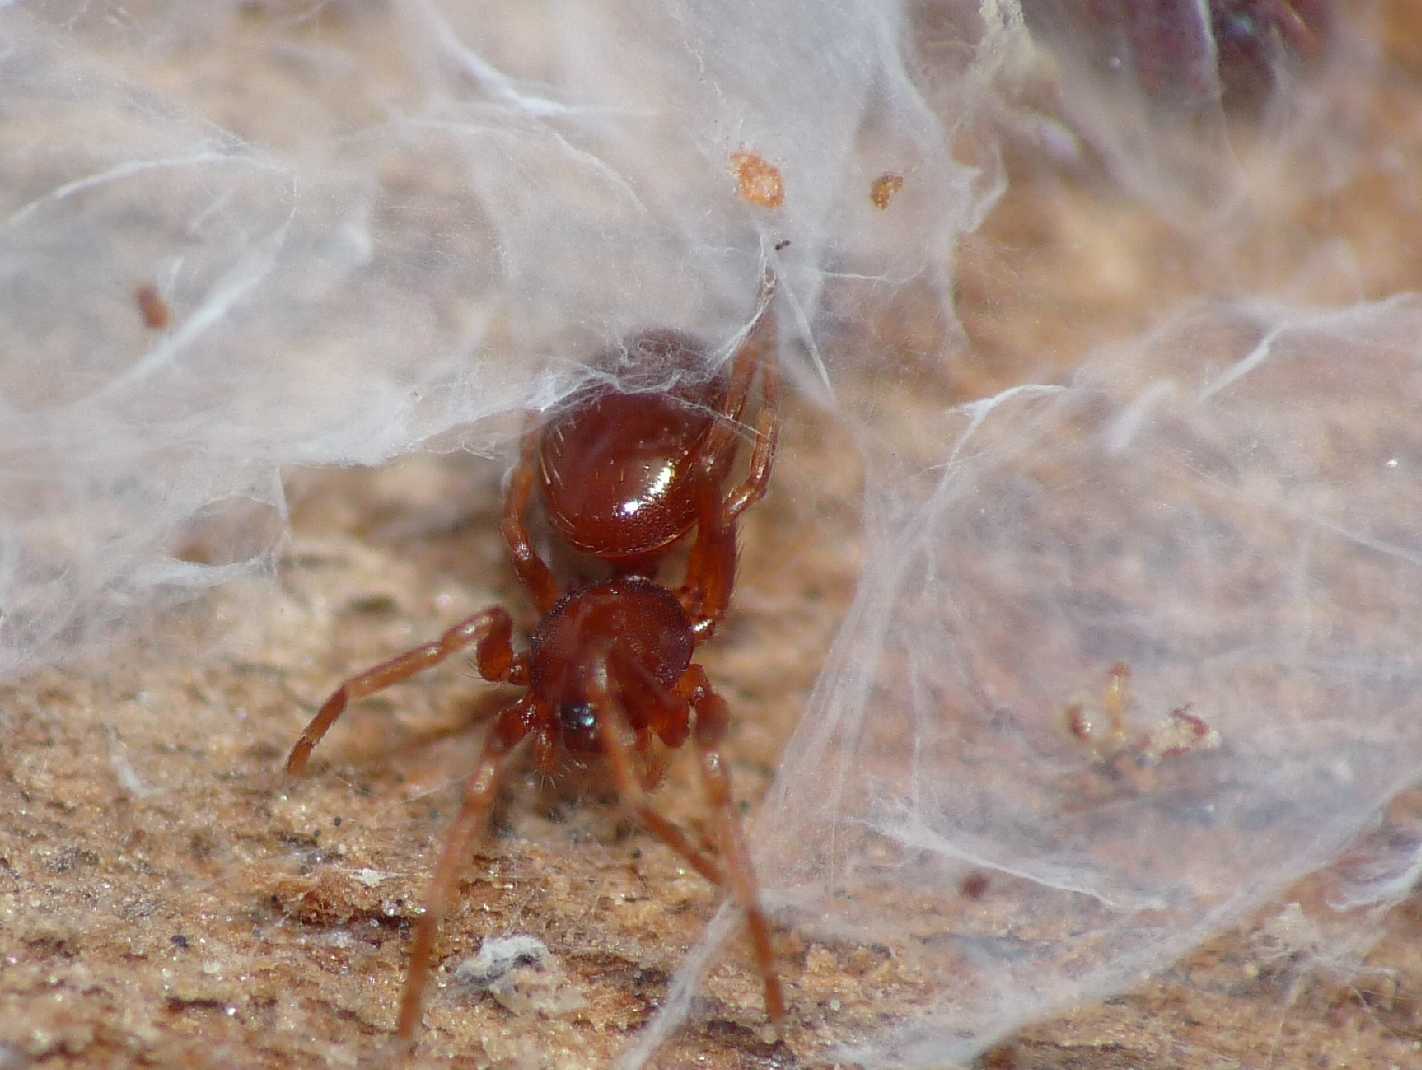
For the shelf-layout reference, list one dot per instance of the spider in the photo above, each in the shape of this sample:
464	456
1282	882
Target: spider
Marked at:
625	473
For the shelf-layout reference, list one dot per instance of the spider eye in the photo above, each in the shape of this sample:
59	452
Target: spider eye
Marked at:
578	720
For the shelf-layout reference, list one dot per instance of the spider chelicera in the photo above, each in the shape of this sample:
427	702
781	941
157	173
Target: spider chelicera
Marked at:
625	473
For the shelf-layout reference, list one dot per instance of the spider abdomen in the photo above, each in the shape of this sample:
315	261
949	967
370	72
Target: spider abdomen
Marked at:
619	466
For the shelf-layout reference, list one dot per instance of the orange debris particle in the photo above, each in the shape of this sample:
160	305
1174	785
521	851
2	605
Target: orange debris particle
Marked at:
761	183
156	314
884	188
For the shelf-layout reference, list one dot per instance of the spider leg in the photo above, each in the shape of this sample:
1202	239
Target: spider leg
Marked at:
767	429
629	791
532	571
710	567
480	791
720	442
491	632
722	439
712	719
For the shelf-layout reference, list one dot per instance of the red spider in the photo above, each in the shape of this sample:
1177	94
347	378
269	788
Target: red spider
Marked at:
625	473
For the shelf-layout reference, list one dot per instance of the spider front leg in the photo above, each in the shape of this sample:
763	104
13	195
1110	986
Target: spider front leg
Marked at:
491	633
712	719
480	791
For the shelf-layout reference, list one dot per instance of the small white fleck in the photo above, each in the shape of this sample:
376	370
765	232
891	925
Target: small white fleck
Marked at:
371	877
497	956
